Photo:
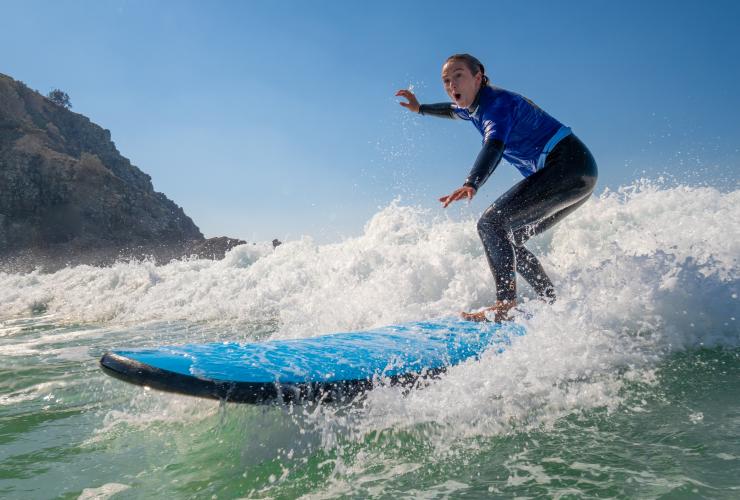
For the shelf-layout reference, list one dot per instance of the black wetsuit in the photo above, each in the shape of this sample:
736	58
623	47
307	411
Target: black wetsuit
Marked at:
557	181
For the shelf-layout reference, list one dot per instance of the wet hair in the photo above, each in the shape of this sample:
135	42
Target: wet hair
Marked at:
473	64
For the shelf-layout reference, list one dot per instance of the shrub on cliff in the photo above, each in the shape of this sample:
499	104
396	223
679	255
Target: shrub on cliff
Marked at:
58	96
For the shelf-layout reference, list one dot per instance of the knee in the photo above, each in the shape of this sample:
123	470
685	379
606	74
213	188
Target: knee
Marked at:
522	255
523	234
493	223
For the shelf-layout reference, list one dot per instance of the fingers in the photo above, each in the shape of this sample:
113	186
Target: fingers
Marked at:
447	200
413	104
408	95
458	194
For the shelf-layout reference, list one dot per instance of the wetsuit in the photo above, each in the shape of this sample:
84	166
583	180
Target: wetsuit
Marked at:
560	174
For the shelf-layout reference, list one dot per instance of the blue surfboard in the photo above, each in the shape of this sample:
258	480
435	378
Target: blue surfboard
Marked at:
328	367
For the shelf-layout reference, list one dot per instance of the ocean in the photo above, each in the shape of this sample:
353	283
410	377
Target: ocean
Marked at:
627	387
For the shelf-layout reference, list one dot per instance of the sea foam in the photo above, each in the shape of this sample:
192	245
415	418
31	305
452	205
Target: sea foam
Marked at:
635	258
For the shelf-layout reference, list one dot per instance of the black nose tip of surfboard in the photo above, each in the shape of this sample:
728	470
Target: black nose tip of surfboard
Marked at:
134	372
116	366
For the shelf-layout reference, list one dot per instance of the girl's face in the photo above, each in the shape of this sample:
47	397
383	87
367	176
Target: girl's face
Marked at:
460	84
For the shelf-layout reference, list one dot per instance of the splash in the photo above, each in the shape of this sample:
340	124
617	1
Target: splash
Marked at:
639	256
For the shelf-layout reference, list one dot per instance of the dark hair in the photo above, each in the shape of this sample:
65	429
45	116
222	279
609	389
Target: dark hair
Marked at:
473	64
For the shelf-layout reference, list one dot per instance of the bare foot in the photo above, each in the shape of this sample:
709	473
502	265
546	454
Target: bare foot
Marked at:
500	313
479	316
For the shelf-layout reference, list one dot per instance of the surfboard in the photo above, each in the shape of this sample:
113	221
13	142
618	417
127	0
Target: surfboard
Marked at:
328	367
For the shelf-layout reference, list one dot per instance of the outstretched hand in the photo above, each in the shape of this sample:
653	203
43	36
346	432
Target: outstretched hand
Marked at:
413	104
458	194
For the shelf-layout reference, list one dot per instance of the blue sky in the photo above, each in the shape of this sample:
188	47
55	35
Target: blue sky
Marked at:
277	119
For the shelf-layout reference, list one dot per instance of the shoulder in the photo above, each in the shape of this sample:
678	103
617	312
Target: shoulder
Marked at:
496	105
496	97
461	113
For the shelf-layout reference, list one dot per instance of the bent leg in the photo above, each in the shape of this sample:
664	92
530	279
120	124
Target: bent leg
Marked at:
530	207
533	273
527	265
523	233
497	237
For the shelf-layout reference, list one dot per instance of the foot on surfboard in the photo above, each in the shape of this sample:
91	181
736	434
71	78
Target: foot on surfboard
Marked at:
499	312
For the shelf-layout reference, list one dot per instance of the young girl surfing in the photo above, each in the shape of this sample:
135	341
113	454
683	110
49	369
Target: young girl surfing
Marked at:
559	175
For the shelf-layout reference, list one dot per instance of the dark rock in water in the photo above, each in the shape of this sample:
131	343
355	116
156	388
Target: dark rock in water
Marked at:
213	248
68	197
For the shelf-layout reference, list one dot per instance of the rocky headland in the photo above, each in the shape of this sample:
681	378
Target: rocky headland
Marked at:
68	197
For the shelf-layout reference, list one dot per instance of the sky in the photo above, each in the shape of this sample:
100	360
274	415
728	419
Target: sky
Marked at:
277	119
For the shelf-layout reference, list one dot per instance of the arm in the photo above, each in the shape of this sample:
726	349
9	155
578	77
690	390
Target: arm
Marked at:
486	162
443	110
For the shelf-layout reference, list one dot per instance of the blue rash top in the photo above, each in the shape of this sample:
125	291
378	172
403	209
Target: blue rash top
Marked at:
521	125
513	127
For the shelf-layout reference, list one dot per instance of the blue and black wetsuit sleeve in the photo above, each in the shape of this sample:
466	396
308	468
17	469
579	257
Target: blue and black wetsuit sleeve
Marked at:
489	156
442	109
486	162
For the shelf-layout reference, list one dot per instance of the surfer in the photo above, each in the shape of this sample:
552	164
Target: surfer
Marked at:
559	175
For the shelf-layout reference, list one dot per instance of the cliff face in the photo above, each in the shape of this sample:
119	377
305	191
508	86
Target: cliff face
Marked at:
66	191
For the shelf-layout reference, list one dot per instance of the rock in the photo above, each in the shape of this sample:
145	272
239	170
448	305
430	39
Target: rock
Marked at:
213	248
67	196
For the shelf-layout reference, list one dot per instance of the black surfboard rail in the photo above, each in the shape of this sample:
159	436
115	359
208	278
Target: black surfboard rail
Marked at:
135	372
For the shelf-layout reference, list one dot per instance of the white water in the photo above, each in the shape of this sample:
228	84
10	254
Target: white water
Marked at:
640	273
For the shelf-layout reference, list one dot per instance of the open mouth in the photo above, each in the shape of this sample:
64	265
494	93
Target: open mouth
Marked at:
457	96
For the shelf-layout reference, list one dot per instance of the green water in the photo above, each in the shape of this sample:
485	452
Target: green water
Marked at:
68	431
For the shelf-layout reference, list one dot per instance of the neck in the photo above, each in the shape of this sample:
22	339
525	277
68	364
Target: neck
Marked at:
474	106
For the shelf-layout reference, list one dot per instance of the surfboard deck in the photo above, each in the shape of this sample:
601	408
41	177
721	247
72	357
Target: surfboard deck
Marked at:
328	367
